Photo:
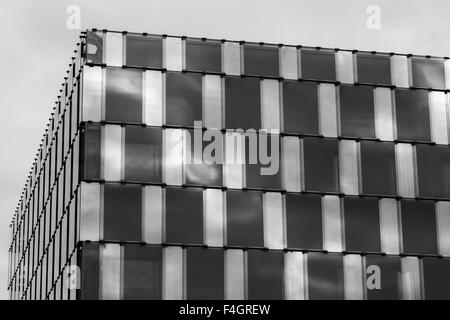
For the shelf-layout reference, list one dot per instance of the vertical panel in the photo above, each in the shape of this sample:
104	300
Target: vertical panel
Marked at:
327	110
390	237
332	223
411	278
153	98
231	58
384	124
173	156
213	217
404	159
112	153
348	161
270	105
438	117
353	277
90	212
291	164
152	214
294	279
399	71
273	220
447	73
234	274
173	54
173	273
443	225
234	160
114	49
344	61
110	271
92	94
288	63
212	101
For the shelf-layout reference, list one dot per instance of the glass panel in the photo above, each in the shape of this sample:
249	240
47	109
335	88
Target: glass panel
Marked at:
231	58
143	154
261	60
112	157
173	54
184	215
388	269
142	272
321	166
90	212
91	152
357	111
213	216
122	212
404	159
91	271
244	218
332	224
304	221
438	116
153	98
344	60
348	162
205	274
173	273
327	110
291	164
400	71
378	168
273	220
325	276
212	102
443	224
411	282
362	225
436	278
113	49
353	277
173	156
390	236
270	105
203	55
265	275
123	98
318	64
144	51
294	278
234	160
384	124
288	59
92	94
152	217
94	50
234	260
183	98
412	115
419	227
374	68
110	271
300	107
428	73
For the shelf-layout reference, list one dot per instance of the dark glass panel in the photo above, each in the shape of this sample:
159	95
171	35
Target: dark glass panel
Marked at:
91	152
94	47
436	278
203	55
144	51
390	277
90	271
374	68
265	275
261	60
325	276
428	73
318	64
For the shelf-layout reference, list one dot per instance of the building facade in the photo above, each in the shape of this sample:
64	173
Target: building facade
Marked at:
330	179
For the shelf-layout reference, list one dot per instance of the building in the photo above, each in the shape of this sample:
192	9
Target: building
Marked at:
357	206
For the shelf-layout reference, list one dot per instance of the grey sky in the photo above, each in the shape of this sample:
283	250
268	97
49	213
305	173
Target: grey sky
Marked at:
36	49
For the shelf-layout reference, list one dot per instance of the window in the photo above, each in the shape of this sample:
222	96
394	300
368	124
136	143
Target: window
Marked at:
261	60
378	168
300	107
142	272
203	55
357	111
318	64
436	278
242	103
94	47
91	152
183	98
90	265
325	276
205	274
428	73
122	212
374	68
321	164
184	215
412	115
390	268
419	227
144	51
123	98
362	225
244	218
265	275
433	171
304	221
143	154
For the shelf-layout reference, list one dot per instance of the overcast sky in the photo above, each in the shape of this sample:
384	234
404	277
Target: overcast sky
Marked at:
37	46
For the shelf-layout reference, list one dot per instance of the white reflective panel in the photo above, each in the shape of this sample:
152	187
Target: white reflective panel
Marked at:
273	220
348	163
327	110
410	278
447	73
92	94
231	58
332	223
443	225
173	156
270	105
288	61
173	54
353	277
90	212
291	164
110	271
384	123
152	214
390	236
438	117
344	60
234	274
113	49
399	71
213	217
294	276
233	168
404	161
173	273
112	153
212	102
153	98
